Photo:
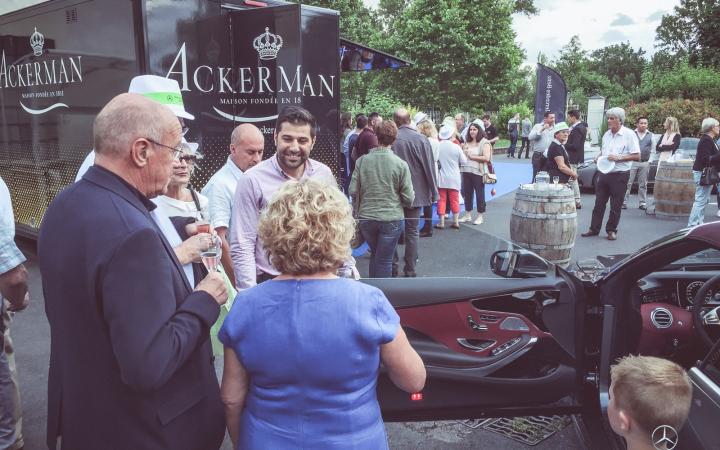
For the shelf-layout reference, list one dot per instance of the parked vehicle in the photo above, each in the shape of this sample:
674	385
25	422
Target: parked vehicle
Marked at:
530	338
588	173
236	61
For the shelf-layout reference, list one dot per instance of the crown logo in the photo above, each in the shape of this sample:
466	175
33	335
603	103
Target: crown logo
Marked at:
37	40
267	44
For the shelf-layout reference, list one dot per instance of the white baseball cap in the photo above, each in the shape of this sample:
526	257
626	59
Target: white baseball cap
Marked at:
446	132
165	91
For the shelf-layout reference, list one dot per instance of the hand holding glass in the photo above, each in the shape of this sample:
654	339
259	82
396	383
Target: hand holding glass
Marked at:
211	256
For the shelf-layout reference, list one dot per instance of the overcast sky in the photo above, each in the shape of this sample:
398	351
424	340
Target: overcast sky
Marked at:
597	22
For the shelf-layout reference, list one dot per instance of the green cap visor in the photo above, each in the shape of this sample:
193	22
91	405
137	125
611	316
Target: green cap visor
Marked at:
165	98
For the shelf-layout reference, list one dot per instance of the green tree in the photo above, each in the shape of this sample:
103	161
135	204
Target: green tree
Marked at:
620	63
357	22
464	54
680	82
582	77
390	11
693	30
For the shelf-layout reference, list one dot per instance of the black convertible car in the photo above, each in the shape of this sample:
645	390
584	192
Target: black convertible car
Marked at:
530	338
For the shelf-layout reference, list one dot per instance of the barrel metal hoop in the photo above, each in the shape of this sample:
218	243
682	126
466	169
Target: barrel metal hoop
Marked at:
544	247
572	215
545	199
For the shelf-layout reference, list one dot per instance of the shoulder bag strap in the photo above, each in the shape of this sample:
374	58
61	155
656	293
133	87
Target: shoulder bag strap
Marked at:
196	200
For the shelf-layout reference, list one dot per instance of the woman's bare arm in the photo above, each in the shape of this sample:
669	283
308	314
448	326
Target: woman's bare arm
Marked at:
560	161
233	391
403	364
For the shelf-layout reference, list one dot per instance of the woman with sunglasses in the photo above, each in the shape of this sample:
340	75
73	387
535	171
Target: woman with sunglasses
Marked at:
184	206
180	200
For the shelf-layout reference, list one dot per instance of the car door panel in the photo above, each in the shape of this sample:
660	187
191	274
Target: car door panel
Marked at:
488	345
699	431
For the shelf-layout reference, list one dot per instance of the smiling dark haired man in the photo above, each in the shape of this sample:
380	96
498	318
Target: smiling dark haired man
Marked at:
294	138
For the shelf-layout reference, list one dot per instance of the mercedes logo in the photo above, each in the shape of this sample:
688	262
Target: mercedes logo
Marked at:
664	437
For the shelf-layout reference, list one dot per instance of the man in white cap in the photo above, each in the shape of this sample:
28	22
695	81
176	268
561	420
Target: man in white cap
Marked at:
165	91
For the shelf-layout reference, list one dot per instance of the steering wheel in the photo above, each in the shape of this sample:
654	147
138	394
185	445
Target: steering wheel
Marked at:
712	318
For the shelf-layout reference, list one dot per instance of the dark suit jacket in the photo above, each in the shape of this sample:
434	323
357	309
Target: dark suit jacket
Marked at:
575	144
415	149
130	359
707	153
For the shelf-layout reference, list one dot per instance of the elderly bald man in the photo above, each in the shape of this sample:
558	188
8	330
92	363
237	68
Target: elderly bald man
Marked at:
130	359
246	150
415	149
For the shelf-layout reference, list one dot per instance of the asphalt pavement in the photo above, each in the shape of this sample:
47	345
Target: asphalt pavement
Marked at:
448	253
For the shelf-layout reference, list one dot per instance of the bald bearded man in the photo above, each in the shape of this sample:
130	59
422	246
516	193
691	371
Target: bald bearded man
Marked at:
130	358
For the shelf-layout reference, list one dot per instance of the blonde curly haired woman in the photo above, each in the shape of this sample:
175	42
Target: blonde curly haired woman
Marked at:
303	351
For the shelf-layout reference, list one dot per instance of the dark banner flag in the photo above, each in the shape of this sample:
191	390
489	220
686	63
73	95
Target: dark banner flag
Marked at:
550	94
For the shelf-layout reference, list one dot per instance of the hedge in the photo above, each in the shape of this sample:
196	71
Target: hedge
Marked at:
690	113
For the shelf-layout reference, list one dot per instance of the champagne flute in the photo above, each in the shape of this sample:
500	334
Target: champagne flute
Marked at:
211	257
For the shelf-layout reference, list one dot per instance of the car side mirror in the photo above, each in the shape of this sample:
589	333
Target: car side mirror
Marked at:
519	263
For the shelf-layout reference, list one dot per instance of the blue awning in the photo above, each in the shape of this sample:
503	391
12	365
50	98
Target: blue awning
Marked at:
355	57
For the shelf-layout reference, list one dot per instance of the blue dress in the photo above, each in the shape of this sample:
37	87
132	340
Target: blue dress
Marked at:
312	351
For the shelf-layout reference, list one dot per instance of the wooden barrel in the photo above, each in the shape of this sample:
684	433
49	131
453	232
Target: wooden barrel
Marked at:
545	222
674	189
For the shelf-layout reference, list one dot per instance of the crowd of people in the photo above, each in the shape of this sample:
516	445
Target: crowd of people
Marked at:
130	274
136	274
443	165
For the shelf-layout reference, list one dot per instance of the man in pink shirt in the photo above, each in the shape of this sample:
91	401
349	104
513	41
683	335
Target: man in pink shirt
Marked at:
294	139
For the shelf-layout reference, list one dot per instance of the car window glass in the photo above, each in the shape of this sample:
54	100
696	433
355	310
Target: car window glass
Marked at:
703	257
473	261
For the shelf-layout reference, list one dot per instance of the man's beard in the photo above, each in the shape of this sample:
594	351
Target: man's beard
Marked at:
299	160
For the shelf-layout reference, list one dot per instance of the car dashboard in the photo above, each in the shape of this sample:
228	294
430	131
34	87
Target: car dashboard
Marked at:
677	287
666	303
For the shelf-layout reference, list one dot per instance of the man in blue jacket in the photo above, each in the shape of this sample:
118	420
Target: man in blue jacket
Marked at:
130	359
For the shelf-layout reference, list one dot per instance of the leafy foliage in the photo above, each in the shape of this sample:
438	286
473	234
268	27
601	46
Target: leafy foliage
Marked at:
375	101
578	69
682	81
690	113
620	64
507	112
464	54
693	30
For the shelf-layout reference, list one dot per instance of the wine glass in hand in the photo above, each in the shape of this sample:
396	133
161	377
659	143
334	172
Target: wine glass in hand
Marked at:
211	256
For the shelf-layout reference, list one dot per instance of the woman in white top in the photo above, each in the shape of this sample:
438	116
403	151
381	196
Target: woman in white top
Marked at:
180	201
451	157
670	140
479	152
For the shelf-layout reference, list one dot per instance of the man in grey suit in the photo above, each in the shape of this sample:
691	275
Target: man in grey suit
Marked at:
414	148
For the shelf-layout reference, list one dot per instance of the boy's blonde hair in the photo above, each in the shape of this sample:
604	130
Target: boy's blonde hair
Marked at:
652	391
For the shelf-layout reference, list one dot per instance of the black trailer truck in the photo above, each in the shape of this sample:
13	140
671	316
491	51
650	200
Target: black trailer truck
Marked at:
61	61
